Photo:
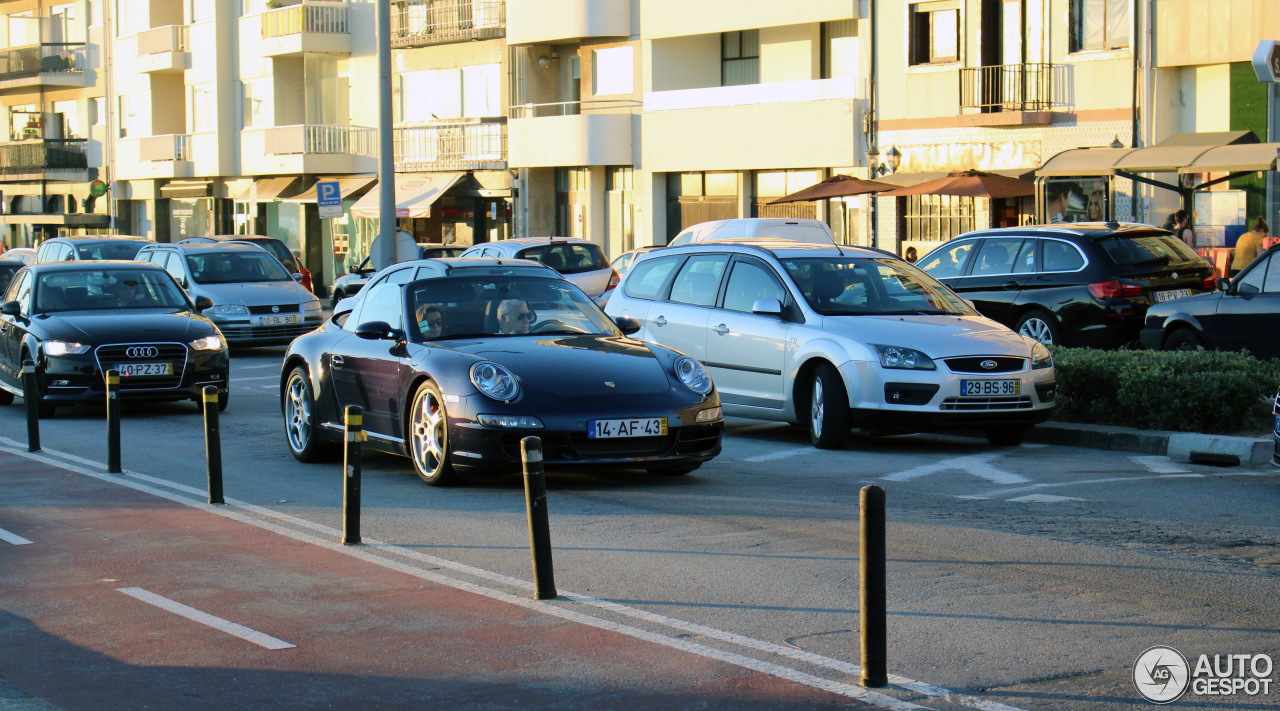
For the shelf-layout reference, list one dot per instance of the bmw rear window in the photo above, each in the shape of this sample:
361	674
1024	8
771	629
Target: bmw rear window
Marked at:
124	249
1149	249
567	258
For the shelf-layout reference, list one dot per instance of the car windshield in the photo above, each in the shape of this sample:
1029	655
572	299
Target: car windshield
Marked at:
235	267
498	306
1147	249
108	290
837	286
122	249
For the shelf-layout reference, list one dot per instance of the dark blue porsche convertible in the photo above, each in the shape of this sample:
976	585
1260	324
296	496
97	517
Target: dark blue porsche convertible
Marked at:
455	360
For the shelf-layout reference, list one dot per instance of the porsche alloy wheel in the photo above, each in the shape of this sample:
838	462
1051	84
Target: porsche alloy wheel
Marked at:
429	437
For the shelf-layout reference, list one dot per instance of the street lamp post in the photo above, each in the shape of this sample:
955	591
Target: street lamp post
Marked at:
385	245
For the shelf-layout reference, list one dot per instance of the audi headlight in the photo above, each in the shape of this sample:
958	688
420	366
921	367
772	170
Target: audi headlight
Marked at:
312	306
900	358
1041	358
228	309
62	348
495	381
693	375
208	343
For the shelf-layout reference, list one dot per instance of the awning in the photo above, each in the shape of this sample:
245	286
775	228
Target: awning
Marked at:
903	180
1229	151
77	219
1235	159
1084	162
268	189
186	188
415	193
347	185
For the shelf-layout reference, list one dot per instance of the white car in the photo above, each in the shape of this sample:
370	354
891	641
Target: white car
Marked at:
837	337
746	228
578	260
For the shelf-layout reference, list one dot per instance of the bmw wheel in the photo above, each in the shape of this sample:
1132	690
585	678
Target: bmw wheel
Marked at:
429	437
1040	326
299	419
828	409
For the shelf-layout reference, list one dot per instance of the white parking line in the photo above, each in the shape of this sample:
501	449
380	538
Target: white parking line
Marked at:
204	618
779	455
260	377
13	538
1044	499
1160	465
258	367
978	465
1084	482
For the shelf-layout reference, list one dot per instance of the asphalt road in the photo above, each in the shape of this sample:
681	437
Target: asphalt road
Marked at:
1031	576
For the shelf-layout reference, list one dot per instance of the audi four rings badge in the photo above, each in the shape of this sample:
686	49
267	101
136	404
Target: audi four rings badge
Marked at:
142	352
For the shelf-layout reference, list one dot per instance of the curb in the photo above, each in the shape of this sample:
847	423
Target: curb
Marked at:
1178	446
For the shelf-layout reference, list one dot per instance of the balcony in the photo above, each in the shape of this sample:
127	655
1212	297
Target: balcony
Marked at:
480	145
309	148
50	64
154	157
35	159
164	50
557	21
419	23
1009	94
310	27
575	133
660	19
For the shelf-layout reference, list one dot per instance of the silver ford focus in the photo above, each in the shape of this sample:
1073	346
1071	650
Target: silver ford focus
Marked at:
836	338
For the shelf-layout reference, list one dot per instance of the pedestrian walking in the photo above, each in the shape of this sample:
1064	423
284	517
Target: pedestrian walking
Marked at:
1181	226
1247	246
911	255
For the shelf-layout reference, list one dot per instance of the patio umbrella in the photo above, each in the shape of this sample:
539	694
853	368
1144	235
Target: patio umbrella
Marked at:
835	186
969	183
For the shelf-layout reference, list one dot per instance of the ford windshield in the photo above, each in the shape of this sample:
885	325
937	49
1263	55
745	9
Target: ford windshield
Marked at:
859	286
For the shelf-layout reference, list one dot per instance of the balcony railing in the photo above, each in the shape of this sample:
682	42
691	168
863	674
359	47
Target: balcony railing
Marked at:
783	92
417	23
469	146
1008	87
317	138
171	38
573	108
48	58
170	147
37	156
295	19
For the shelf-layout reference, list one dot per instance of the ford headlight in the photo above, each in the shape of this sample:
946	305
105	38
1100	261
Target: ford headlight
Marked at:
228	309
495	381
208	343
62	348
901	358
693	375
1041	358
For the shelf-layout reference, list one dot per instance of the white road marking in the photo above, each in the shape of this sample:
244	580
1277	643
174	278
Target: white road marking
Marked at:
204	618
364	553
1044	499
13	538
1087	482
258	367
753	428
1160	465
779	455
976	464
259	377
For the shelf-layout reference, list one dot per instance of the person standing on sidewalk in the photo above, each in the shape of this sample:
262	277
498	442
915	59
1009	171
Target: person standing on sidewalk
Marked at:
1247	246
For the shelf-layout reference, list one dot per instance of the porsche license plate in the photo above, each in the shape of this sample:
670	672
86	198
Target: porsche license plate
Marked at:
990	387
1171	294
638	427
133	369
276	320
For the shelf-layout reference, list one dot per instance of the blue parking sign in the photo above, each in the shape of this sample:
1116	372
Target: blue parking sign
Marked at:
329	198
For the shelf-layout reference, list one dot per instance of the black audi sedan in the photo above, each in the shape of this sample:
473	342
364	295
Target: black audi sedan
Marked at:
1086	284
77	320
1244	316
454	361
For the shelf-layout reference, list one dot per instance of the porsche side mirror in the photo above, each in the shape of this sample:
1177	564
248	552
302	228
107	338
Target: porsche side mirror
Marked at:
375	330
626	324
767	307
203	302
11	308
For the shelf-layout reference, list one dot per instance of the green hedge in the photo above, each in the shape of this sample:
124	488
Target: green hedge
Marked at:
1191	391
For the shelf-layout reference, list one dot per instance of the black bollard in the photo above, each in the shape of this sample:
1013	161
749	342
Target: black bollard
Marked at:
873	608
213	444
31	398
354	418
113	422
535	499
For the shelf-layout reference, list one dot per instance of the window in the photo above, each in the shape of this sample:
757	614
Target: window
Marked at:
97	111
613	71
65	24
947	261
464	92
699	279
749	283
254	103
481	86
566	258
934	218
1099	24
203	108
70	118
21	292
839	49
131	17
128	116
997	256
935	34
385	301
201	10
95	13
740	58
1061	257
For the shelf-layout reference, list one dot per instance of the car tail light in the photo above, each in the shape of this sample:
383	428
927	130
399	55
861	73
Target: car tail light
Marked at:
613	280
1211	283
1115	289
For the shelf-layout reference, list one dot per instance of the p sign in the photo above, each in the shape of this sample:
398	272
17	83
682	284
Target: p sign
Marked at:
329	199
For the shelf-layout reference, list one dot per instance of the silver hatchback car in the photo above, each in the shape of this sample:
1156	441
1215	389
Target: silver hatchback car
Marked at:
578	260
837	337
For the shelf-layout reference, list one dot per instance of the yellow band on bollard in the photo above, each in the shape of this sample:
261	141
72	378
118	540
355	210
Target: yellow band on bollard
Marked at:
211	397
355	420
113	380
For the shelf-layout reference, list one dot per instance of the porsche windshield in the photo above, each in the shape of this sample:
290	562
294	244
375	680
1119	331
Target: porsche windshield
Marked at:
865	286
489	306
108	290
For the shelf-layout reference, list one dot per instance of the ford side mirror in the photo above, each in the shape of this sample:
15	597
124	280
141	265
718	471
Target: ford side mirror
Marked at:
767	307
203	302
626	324
11	308
375	330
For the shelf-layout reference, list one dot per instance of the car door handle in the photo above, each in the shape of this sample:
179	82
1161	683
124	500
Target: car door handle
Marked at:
660	321
337	361
721	329
1009	285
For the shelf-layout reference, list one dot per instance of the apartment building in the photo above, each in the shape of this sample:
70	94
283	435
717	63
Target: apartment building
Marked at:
52	88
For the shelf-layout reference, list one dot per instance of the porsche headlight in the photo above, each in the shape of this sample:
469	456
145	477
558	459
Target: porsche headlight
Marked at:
208	343
900	358
62	348
1041	358
693	375
494	381
228	309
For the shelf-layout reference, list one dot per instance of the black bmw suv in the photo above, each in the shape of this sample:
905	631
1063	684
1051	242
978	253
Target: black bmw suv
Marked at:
1084	284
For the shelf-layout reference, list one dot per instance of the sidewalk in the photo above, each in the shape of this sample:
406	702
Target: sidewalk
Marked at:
1179	446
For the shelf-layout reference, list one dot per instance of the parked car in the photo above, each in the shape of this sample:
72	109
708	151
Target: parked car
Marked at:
797	229
623	262
255	301
455	361
350	283
1086	284
276	247
1244	316
78	319
580	261
26	255
73	249
837	337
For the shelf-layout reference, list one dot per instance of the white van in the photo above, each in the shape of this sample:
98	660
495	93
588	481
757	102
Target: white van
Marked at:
796	229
